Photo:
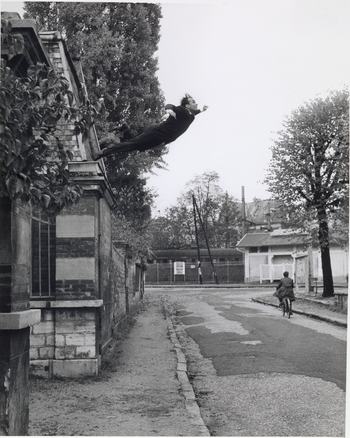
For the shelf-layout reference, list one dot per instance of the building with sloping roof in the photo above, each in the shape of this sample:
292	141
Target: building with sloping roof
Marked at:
263	214
267	254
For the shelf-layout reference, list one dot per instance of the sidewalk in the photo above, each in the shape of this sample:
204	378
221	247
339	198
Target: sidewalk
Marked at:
311	306
144	390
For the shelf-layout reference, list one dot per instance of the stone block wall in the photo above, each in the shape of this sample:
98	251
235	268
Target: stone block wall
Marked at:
65	343
118	285
14	382
57	52
91	284
95	292
15	316
67	340
76	251
5	255
75	336
42	337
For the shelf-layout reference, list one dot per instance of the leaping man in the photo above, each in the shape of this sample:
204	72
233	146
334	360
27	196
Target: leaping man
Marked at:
177	122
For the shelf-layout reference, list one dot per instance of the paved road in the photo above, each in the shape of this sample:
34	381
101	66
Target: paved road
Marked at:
256	373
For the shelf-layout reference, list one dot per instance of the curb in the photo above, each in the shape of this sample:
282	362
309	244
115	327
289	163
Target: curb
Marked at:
182	376
208	286
310	315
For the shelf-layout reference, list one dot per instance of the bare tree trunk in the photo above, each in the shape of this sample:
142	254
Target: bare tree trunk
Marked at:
323	237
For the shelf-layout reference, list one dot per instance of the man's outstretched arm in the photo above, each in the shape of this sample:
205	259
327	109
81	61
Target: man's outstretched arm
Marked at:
195	112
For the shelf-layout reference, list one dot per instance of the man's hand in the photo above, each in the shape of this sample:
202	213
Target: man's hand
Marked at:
205	107
168	113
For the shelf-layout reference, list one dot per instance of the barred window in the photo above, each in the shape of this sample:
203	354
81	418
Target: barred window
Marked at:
43	255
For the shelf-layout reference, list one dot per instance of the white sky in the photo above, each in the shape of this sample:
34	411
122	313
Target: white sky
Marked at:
252	62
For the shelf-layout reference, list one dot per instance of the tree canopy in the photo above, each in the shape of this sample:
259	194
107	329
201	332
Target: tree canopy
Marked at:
309	172
218	210
117	45
33	160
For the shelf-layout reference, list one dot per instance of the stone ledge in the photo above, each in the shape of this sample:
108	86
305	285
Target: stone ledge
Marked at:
75	367
19	320
66	304
90	168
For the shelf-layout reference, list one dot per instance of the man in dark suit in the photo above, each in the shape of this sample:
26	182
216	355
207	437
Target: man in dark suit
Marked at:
179	118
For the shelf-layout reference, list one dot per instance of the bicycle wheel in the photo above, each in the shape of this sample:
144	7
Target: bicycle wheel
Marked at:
284	306
289	308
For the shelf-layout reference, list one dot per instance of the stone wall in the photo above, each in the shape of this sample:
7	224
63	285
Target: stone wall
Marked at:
94	288
65	343
5	255
57	52
76	250
15	316
95	292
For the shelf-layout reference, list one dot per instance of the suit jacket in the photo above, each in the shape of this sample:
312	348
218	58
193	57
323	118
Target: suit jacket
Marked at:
285	288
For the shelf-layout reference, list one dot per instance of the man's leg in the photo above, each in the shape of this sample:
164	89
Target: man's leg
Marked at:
115	148
147	140
108	140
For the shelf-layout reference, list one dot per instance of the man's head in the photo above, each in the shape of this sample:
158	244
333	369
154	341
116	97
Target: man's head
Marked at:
188	102
285	274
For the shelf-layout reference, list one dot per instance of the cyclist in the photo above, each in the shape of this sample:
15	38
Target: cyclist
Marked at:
284	289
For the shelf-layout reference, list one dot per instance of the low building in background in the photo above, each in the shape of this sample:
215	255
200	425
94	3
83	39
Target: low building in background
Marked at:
228	264
267	254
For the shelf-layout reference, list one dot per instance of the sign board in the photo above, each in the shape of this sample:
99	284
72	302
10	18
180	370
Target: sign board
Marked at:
179	268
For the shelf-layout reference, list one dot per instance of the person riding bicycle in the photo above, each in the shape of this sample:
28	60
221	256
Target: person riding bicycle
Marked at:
284	289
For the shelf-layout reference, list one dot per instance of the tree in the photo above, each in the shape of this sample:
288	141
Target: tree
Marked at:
116	43
308	171
219	213
33	161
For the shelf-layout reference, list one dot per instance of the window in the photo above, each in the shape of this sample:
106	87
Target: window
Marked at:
253	249
264	249
43	255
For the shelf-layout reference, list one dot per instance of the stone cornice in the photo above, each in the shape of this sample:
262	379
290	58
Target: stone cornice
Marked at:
19	320
90	176
66	304
33	52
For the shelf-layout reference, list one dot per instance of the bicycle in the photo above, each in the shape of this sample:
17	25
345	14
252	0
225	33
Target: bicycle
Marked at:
286	307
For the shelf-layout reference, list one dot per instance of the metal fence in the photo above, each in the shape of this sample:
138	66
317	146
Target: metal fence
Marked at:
163	273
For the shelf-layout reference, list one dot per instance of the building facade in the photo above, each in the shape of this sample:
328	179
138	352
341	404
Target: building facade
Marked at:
267	254
82	283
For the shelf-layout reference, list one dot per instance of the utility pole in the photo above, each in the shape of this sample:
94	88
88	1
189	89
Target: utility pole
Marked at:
197	242
206	238
244	219
268	217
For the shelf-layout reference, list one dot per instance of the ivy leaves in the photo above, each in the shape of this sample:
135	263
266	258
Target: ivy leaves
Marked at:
33	160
